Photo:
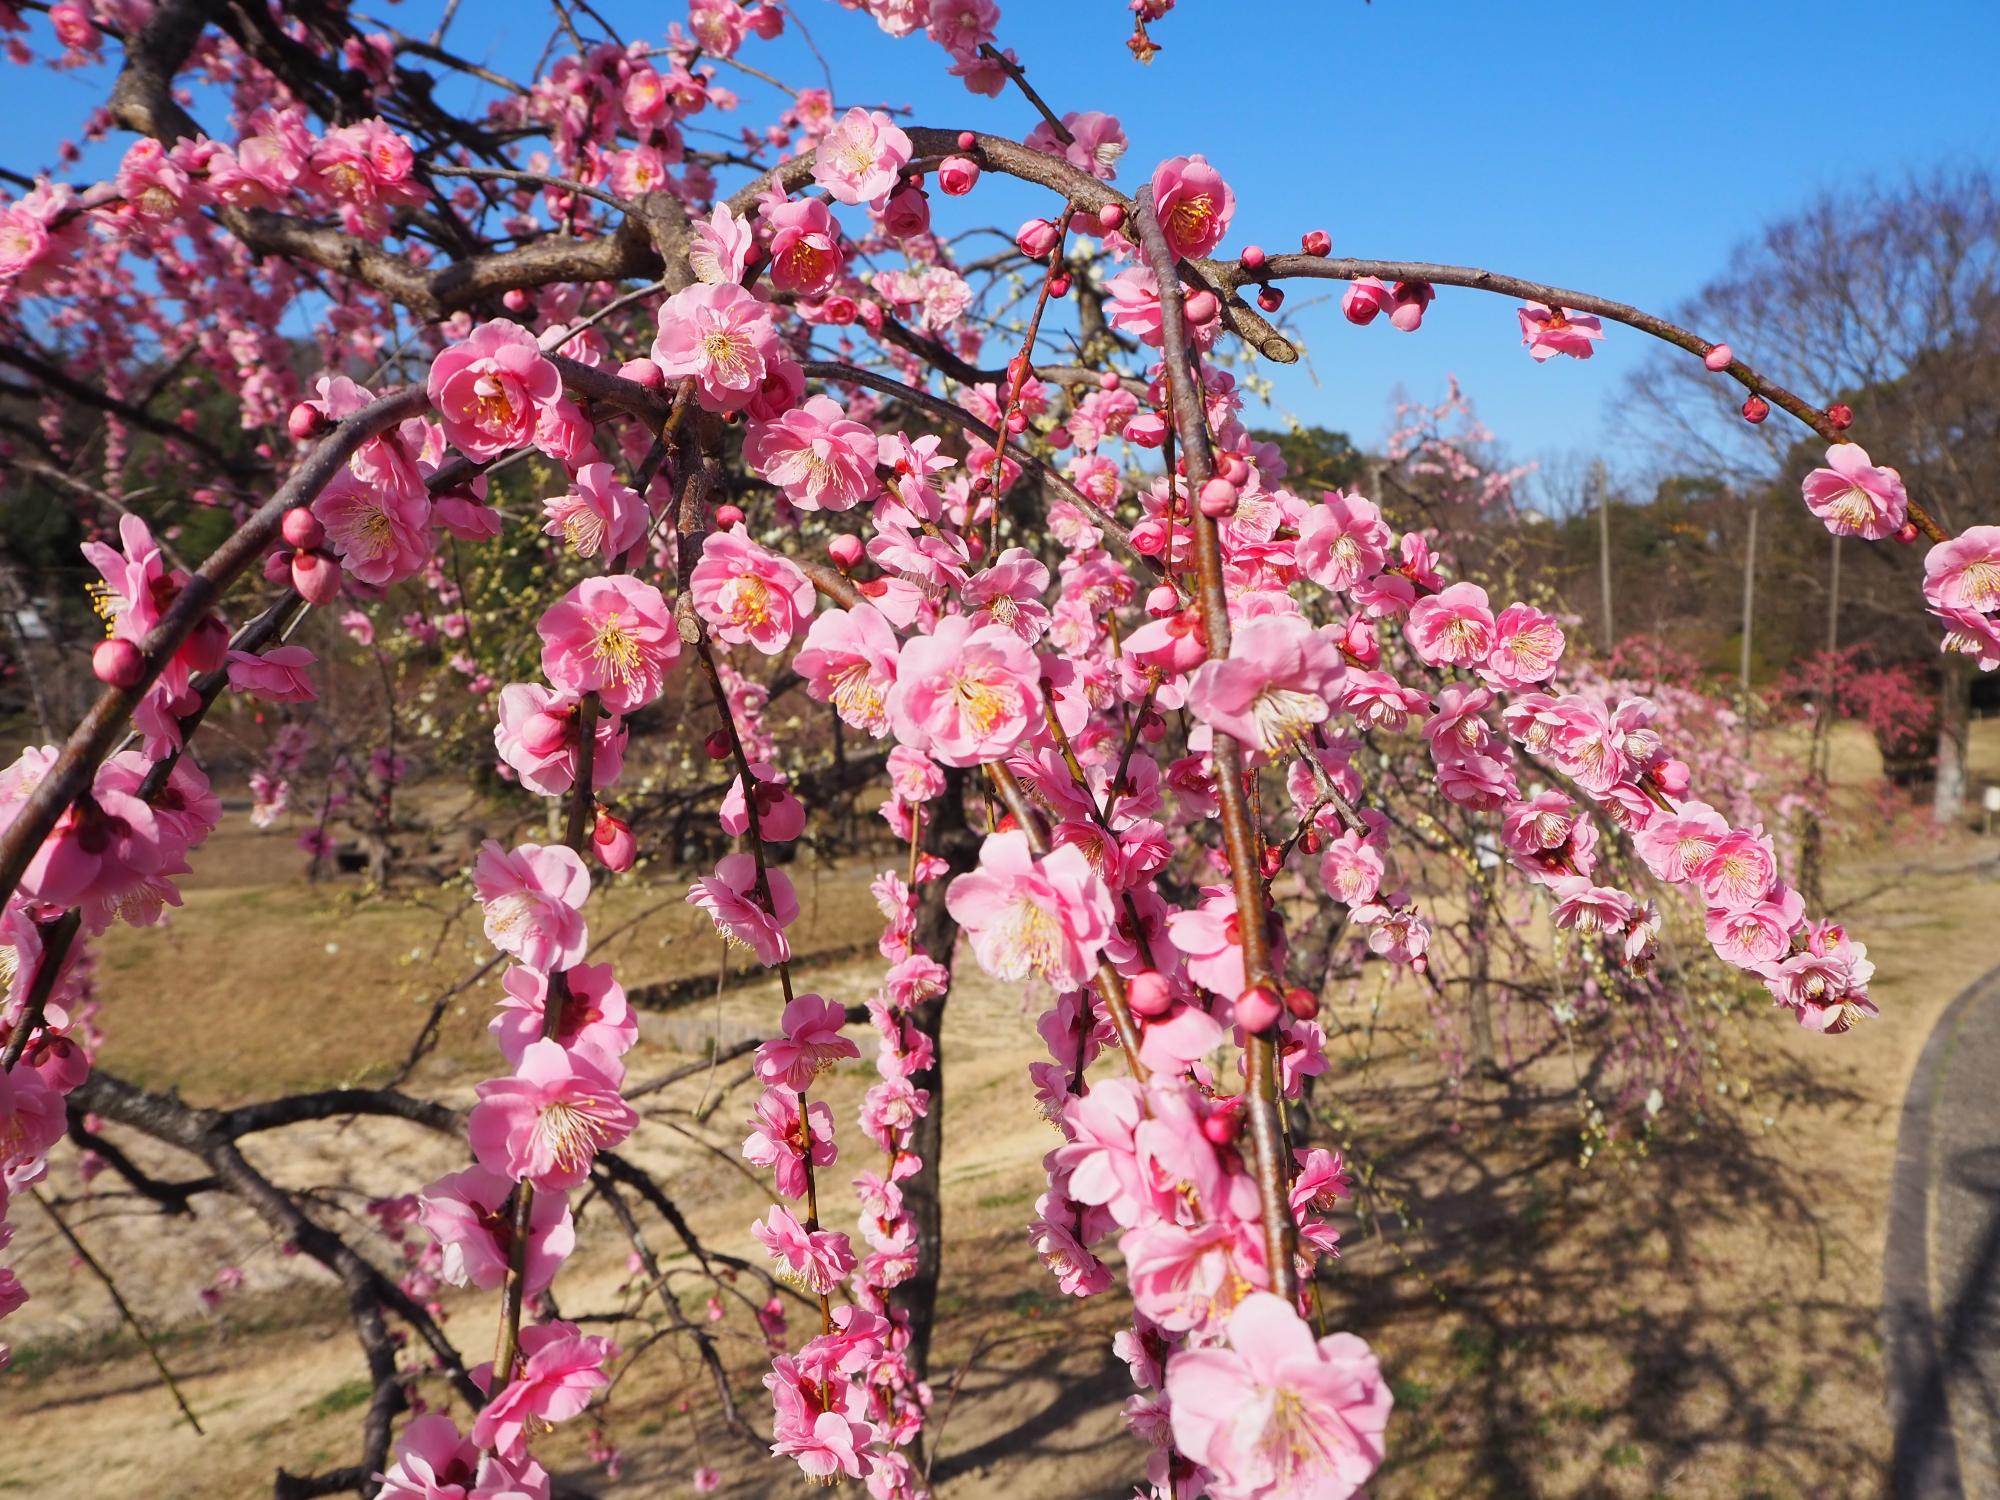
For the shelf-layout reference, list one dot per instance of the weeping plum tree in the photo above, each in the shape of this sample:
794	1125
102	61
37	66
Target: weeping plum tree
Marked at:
1165	733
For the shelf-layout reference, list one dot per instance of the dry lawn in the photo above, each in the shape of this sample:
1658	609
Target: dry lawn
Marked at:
1695	1319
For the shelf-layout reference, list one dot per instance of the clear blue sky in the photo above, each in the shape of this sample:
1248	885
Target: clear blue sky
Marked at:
1618	148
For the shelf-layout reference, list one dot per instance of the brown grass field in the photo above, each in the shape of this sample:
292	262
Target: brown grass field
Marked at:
1697	1318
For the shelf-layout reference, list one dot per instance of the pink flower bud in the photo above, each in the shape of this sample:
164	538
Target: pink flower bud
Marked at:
1253	257
967	140
839	310
1162	601
514	299
1222	1127
545	732
1149	994
1232	468
302	528
118	663
1202	307
316	576
957	175
1302	1003
613	844
1036	238
1107	380
728	517
1218	498
1315	242
1146	430
306	421
1111	216
845	551
207	645
1271	298
1149	538
643	372
768	22
1258	1008
1719	358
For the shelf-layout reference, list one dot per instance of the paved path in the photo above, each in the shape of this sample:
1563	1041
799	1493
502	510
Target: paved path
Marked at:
1941	1272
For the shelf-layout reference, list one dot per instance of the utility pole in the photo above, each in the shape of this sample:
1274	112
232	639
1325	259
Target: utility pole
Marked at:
1604	549
1749	602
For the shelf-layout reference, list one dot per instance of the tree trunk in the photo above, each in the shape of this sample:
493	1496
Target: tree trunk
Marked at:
948	835
1948	798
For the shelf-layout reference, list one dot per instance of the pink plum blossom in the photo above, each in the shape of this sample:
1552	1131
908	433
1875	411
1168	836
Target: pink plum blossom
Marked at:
859	159
808	1043
722	337
1277	684
729	896
817	1260
594	1014
1853	497
277	676
561	1368
597	516
1193	204
748	594
532	895
1454	628
817	455
1046	917
611	636
536	734
966	693
490	391
468	1214
1549	331
546	1123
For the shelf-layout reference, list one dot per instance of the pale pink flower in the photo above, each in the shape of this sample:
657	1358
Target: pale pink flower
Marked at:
1527	644
1096	146
1454	628
965	693
818	1260
546	1123
594	1015
1351	869
469	1215
433	1462
1276	1415
278	676
561	1368
1211	937
532	895
536	735
490	391
706	1481
611	636
960	26
1548	332
729	896
748	594
1342	540
1854	498
806	257
152	184
1758	934
1047	917
722	336
597	516
1739	871
32	1120
380	533
820	457
1193	204
1278	683
1008	593
1674	846
832	1445
849	660
781	817
861	157
809	1042
719	246
1187	1277
1590	908
1964	572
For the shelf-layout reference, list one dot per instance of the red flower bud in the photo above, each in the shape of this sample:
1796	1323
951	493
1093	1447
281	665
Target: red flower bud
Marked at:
1756	409
967	140
957	175
717	745
1907	533
307	421
1315	242
845	551
1840	415
207	645
1222	1127
727	516
1253	257
1271	298
1302	1003
613	844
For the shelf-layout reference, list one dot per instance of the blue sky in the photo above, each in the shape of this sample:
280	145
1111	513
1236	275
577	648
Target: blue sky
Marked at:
1621	149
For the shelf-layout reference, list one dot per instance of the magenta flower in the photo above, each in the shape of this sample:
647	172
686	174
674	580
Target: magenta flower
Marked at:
1192	203
809	1042
806	257
860	158
820	457
469	1215
1549	331
1854	498
532	895
490	390
611	636
965	693
595	1017
749	595
561	1368
1047	917
1276	1415
777	1139
597	516
278	676
1277	684
547	1122
380	533
850	660
721	336
729	896
1453	628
